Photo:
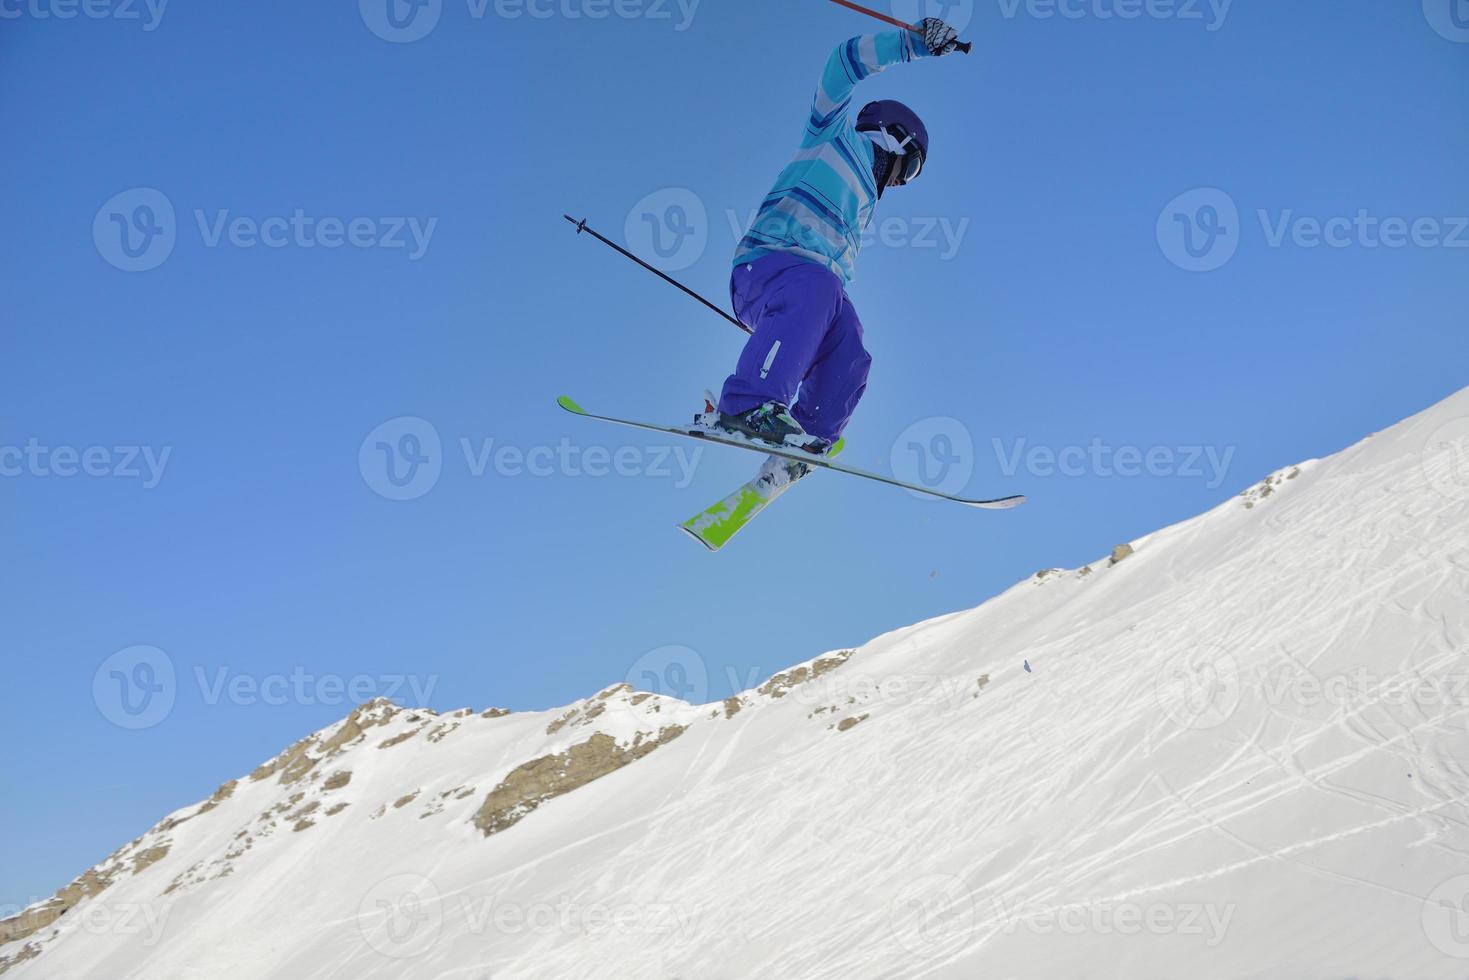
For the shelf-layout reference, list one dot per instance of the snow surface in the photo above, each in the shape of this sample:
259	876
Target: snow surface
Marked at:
1241	753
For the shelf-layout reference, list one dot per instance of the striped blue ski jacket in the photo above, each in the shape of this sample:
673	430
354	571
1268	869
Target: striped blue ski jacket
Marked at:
823	201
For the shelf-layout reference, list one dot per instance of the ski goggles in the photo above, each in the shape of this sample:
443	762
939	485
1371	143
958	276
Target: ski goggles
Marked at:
896	140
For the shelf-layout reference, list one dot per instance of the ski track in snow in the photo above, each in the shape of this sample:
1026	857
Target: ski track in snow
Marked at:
1213	726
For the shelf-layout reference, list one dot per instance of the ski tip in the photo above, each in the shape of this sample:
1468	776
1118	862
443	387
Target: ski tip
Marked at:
711	546
570	405
1005	503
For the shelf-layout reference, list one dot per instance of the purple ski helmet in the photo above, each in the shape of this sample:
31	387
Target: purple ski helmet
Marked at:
903	124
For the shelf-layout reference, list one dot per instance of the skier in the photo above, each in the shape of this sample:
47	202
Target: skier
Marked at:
791	269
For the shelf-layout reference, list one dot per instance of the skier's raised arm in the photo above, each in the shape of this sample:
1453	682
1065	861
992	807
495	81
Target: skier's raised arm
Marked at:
855	59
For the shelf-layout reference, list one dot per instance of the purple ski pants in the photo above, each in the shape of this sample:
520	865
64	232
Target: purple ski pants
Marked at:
807	338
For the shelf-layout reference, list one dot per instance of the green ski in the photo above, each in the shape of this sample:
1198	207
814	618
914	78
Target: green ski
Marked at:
714	527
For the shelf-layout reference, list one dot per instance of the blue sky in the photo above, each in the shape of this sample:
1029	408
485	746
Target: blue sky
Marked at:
335	228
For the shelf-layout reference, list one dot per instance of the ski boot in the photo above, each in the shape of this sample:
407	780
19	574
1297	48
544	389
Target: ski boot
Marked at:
771	423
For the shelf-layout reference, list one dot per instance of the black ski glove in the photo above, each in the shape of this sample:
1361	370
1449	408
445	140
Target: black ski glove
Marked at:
938	37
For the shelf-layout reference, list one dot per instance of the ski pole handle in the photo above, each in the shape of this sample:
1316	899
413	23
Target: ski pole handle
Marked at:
964	46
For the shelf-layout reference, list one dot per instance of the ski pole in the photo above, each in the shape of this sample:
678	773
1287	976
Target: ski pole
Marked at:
958	45
581	226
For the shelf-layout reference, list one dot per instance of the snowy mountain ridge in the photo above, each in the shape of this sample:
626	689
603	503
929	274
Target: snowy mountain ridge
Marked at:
1232	749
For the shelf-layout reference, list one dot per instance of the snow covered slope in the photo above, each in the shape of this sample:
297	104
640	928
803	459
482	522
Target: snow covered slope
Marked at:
1240	751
